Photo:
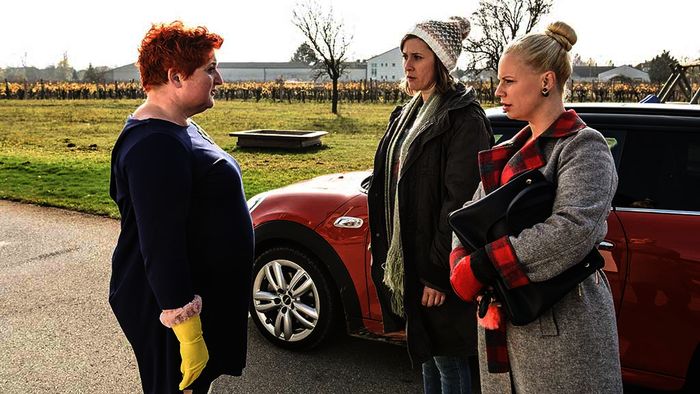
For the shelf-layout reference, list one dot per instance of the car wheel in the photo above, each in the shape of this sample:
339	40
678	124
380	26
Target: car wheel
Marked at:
292	303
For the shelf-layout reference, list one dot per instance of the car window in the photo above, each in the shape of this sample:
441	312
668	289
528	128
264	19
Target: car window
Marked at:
616	143
503	134
499	138
614	138
660	170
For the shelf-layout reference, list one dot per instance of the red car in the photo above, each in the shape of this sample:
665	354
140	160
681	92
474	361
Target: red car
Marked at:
313	264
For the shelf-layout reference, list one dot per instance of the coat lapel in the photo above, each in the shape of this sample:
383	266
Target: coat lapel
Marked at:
528	157
491	163
503	162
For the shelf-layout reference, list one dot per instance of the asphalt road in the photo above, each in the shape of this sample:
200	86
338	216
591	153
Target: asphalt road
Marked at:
58	334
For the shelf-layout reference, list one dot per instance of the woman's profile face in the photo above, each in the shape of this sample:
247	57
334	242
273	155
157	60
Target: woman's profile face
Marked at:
418	64
519	87
200	87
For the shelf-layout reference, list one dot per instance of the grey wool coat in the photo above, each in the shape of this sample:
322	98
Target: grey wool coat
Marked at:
573	348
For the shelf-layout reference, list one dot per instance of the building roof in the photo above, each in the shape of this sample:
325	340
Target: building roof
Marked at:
261	65
257	65
383	53
589	71
624	71
130	66
282	65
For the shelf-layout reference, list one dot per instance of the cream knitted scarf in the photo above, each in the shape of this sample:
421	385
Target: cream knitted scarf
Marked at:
394	265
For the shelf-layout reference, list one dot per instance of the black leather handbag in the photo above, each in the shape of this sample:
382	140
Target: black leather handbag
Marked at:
519	204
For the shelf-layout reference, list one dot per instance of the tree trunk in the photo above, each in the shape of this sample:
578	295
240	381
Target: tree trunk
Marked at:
334	100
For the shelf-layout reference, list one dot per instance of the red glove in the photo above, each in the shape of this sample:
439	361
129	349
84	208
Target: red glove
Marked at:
469	274
463	281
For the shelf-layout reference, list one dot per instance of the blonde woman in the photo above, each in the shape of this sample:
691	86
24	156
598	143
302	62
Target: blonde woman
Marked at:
572	348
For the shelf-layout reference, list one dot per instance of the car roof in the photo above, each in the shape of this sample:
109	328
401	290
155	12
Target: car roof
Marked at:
633	115
637	108
625	108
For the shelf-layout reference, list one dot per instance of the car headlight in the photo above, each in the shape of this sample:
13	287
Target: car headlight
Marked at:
254	201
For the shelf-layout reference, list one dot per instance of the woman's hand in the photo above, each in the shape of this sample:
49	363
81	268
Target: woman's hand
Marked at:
432	297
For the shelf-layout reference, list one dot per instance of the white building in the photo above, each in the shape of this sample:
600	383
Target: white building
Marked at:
586	73
355	71
127	72
387	66
257	71
606	73
625	72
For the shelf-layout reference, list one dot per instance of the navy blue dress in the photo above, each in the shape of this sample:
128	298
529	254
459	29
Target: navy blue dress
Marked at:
185	230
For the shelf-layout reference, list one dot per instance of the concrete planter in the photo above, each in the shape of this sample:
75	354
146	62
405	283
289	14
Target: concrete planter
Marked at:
288	139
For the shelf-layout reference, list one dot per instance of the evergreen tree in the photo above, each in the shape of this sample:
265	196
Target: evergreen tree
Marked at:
91	74
659	68
304	54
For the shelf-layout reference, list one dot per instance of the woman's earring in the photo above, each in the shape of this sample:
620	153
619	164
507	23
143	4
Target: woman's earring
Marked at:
545	92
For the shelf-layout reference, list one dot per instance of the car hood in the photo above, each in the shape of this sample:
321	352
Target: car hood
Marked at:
347	184
310	202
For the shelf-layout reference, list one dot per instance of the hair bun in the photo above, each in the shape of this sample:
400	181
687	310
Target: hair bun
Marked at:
562	33
464	25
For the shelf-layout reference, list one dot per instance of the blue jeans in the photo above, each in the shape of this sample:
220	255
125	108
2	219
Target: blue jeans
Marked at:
447	375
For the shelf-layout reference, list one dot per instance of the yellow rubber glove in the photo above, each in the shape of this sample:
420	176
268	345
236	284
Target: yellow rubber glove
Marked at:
193	350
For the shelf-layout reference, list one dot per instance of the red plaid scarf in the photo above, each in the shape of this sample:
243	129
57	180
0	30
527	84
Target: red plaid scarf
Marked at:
497	166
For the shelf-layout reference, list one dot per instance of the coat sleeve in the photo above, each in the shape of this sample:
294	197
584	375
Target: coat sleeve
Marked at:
469	135
586	181
159	176
478	195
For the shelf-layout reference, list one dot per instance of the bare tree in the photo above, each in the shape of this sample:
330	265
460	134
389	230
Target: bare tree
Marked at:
327	36
499	22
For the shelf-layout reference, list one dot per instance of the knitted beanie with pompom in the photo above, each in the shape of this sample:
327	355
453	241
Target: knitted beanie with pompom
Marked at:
443	37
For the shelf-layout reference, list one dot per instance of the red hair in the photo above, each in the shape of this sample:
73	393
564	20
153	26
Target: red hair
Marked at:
174	46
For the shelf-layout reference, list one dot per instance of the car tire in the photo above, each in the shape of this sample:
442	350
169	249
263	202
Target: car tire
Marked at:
292	301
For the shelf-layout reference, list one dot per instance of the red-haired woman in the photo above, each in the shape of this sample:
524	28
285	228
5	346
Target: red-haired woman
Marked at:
181	268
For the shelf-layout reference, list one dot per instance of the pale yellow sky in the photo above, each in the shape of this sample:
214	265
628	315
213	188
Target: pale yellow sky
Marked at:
623	31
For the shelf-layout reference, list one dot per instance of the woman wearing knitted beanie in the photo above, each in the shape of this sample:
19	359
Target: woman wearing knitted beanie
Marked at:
426	167
573	347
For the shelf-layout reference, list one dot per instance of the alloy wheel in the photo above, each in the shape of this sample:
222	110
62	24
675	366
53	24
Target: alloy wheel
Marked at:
286	300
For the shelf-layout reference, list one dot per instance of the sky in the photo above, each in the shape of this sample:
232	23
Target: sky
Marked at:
108	33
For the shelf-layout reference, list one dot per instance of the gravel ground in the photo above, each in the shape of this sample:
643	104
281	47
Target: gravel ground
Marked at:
57	332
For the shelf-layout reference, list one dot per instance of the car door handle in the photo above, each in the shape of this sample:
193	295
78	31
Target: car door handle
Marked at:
348	222
605	245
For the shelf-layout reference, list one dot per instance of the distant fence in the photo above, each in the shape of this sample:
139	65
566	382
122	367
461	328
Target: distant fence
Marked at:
358	92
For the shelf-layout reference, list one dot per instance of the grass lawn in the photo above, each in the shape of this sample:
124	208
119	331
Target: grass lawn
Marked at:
57	152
